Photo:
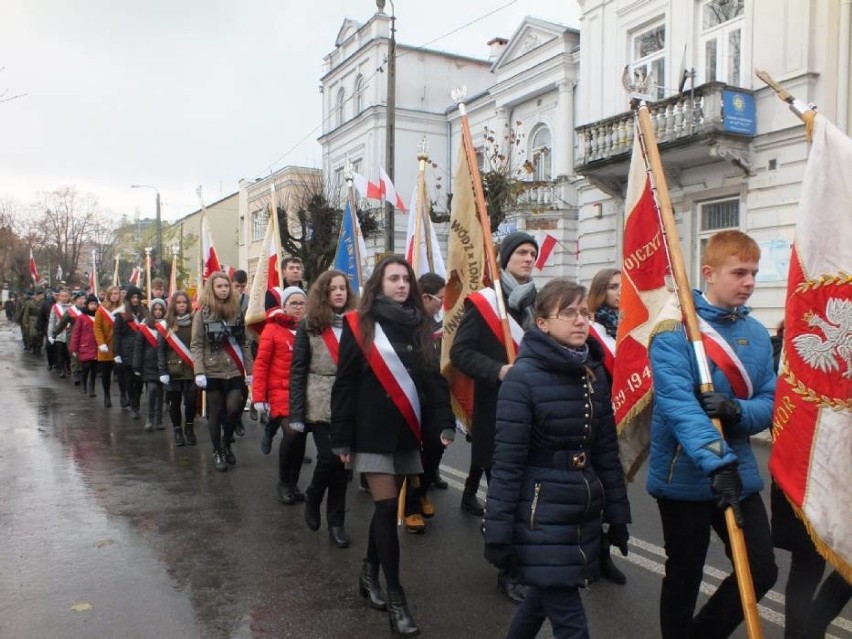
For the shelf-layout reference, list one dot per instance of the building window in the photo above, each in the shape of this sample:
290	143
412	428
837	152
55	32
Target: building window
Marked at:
721	41
356	166
338	179
359	94
715	216
648	59
339	106
259	220
541	146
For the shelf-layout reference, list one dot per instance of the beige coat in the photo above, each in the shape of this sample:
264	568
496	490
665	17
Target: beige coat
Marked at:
215	364
320	380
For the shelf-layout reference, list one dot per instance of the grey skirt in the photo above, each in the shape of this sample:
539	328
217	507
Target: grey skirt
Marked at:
401	462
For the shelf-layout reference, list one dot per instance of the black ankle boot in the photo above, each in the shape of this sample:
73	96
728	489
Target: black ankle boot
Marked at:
609	570
179	440
401	622
369	586
470	504
189	431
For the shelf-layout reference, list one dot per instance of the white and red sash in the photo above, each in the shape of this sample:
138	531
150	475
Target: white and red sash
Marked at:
391	373
485	300
175	343
234	351
109	317
58	311
721	354
75	312
150	334
331	337
599	334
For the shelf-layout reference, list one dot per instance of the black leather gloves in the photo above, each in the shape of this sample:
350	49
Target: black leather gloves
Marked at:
500	556
618	536
726	484
721	406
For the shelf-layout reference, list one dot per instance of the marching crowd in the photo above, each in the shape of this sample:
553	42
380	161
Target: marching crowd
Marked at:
362	375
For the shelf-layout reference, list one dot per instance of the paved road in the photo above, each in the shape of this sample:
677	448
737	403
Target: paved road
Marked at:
113	532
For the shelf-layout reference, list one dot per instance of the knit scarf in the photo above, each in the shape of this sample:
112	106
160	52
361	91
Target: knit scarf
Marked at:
607	316
577	353
396	313
520	297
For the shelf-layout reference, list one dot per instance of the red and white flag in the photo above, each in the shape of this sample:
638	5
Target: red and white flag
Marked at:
811	457
209	259
265	278
134	276
366	188
544	252
93	278
422	250
389	191
644	297
33	269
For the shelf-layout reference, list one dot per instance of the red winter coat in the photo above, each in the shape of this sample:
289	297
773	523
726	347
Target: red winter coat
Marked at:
271	374
83	340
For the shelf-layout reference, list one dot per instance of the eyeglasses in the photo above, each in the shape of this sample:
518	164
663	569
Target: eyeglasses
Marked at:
297	304
572	314
440	300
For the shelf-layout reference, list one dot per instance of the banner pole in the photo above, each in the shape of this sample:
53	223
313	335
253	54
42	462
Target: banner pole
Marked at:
684	293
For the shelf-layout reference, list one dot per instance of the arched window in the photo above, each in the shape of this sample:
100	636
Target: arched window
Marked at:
541	147
359	94
339	105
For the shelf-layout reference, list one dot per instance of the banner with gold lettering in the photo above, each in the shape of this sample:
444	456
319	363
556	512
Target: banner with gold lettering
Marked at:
465	274
644	295
811	459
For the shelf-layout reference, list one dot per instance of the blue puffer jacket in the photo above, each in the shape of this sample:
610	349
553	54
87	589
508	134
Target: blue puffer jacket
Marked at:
551	408
685	446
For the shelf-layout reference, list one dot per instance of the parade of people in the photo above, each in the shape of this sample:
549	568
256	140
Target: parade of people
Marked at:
593	378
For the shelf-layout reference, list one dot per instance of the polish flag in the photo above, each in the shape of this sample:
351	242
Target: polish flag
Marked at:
544	252
389	191
33	269
134	276
210	261
265	278
423	257
366	189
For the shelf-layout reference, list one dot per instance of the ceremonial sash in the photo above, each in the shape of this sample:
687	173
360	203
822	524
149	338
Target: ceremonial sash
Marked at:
109	317
75	312
234	351
290	338
150	334
598	332
175	343
58	311
391	373
331	337
485	300
721	354
132	325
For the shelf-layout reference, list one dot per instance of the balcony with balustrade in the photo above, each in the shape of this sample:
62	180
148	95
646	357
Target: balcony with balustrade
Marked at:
690	129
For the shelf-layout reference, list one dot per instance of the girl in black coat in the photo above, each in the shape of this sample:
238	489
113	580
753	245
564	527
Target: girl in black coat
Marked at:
146	363
368	415
556	467
124	343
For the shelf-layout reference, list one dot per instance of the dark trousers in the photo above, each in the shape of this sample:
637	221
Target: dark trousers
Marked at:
105	371
50	352
132	385
182	391
88	375
329	475
60	352
291	452
155	402
562	606
686	533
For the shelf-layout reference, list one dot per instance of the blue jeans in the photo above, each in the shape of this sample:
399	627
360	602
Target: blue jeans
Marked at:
562	606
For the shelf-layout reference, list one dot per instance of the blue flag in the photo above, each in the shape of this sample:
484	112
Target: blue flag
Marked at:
350	248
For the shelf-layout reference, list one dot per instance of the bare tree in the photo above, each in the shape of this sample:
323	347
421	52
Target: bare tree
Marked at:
67	218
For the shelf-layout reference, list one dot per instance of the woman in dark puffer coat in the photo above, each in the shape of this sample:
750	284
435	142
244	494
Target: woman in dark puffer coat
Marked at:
556	467
146	363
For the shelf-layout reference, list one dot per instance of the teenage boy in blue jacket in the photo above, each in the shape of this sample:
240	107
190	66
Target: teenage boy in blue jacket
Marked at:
695	472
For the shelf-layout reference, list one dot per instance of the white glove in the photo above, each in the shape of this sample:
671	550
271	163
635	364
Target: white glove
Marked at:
50	340
164	379
117	359
261	407
249	380
201	381
103	348
299	427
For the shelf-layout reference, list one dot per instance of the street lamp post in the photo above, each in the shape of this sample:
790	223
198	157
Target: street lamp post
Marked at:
159	222
390	126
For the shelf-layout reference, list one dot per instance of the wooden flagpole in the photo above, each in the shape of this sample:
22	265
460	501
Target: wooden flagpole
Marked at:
115	277
276	236
654	165
805	112
482	210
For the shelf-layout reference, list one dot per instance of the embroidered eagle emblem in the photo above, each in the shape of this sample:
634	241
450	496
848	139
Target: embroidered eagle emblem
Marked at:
827	354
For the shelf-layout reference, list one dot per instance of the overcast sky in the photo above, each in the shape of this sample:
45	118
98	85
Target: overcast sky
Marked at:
177	93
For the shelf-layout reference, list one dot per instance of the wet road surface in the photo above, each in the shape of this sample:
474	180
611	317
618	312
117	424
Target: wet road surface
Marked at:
109	531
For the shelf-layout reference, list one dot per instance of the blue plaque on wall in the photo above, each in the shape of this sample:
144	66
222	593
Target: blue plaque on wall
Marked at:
738	112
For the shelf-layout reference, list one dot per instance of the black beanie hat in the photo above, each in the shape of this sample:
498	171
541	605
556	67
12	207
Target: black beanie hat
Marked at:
92	298
133	290
510	244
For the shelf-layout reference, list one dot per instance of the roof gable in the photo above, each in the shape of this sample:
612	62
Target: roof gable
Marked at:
530	34
349	28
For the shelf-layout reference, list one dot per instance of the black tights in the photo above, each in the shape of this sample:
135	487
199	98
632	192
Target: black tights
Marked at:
383	545
227	403
188	393
88	375
105	370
